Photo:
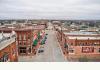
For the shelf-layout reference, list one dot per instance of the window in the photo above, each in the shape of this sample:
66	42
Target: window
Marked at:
65	45
71	43
20	43
71	50
19	37
99	50
83	44
80	44
24	42
86	43
96	43
24	37
28	37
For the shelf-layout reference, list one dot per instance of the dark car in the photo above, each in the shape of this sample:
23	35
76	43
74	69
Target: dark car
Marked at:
40	51
46	34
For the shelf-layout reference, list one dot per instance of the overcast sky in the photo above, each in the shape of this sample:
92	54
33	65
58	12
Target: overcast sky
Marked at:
50	9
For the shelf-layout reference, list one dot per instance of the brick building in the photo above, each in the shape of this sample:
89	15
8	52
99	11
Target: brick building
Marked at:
24	41
8	49
77	44
27	39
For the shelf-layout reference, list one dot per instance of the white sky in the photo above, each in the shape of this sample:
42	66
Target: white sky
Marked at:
50	9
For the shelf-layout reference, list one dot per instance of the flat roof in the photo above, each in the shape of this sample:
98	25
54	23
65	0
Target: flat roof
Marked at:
6	39
81	33
62	28
4	35
34	27
84	38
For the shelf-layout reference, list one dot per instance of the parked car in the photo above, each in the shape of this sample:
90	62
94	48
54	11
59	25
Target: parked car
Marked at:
46	34
40	51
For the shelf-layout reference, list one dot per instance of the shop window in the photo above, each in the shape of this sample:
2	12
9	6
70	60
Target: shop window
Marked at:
71	50
29	50
5	57
22	49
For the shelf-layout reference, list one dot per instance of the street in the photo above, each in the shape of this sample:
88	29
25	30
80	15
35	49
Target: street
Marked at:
52	51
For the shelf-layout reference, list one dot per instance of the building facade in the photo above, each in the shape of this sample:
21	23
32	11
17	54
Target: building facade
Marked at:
27	37
8	49
77	44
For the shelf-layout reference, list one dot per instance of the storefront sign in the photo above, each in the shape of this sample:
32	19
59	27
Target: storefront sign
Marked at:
87	49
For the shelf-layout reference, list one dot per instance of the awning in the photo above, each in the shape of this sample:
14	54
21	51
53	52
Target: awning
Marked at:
35	42
38	35
42	42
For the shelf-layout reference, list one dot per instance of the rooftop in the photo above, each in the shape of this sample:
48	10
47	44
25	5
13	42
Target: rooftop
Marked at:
6	39
84	38
81	33
18	27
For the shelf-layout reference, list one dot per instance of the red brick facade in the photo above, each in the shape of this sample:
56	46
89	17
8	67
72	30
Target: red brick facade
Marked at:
25	36
24	41
9	53
79	48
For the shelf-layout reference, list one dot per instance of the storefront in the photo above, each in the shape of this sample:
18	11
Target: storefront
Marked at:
5	57
22	50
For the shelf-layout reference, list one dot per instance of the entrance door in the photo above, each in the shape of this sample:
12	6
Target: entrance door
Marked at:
22	50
